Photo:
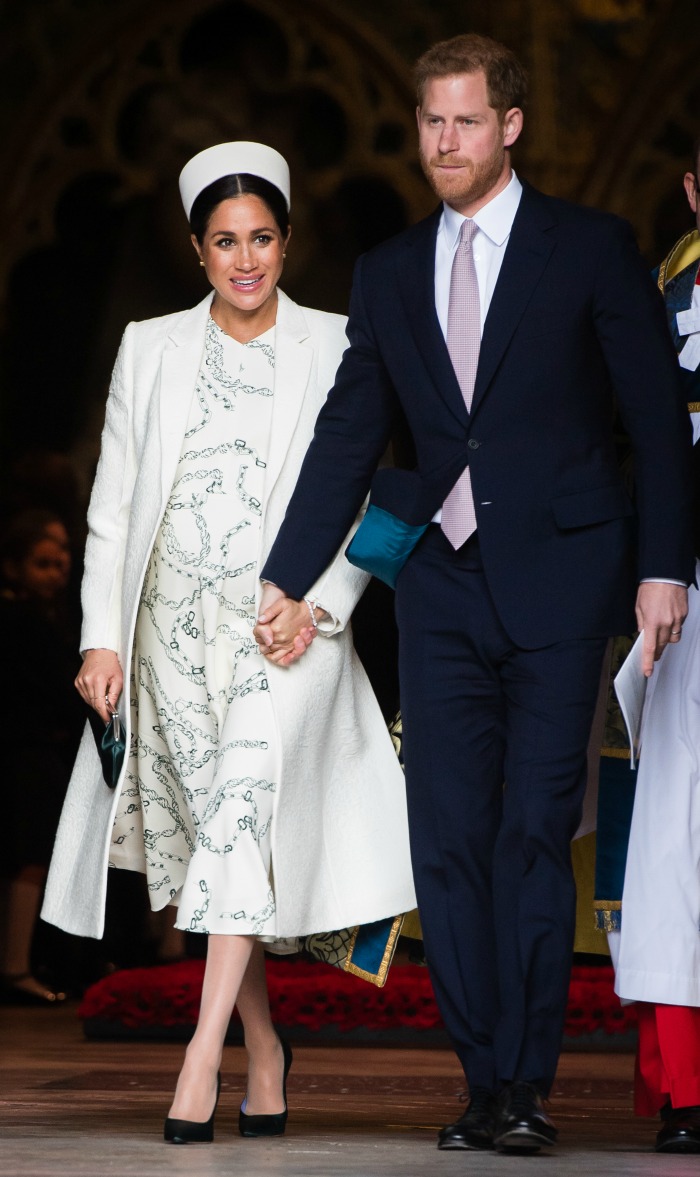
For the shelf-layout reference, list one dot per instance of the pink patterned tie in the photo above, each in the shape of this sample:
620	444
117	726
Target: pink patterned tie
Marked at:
463	342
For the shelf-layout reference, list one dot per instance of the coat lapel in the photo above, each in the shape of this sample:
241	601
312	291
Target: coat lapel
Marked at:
180	365
293	357
527	253
179	369
416	282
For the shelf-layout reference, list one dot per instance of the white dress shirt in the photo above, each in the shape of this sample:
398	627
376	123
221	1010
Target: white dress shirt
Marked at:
494	221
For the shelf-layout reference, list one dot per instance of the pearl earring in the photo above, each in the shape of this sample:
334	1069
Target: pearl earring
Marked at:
201	262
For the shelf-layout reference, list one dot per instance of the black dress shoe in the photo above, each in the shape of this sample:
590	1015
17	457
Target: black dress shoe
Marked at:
274	1123
192	1131
475	1128
523	1125
681	1130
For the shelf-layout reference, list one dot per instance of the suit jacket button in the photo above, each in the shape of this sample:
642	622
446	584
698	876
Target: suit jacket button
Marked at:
473	443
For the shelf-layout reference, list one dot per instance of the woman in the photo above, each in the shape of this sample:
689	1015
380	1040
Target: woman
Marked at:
257	795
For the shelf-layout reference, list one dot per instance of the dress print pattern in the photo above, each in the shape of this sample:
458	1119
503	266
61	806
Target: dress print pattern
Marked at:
203	770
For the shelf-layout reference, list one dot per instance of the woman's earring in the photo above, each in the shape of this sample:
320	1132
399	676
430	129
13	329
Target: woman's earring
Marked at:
284	254
201	262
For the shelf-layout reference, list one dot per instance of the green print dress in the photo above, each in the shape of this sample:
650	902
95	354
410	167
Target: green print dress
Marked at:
203	766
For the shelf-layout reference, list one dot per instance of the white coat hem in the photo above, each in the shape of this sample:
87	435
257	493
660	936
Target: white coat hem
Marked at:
657	988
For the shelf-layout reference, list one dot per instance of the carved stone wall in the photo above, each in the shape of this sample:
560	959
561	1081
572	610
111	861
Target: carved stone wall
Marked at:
102	101
95	231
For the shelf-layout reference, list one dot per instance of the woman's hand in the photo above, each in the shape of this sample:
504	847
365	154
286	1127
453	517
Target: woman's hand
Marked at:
292	618
284	631
291	652
100	678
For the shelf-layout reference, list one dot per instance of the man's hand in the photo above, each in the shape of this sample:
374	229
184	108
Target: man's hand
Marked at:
661	610
270	603
283	631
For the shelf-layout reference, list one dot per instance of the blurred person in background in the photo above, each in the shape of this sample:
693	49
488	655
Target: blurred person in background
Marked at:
42	721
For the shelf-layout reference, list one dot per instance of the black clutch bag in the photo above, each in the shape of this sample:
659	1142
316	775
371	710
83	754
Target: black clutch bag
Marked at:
111	745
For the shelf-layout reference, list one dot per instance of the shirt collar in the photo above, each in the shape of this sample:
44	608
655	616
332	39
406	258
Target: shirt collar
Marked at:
495	219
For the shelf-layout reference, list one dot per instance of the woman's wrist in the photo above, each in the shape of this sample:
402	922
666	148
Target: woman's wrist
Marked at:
312	607
316	612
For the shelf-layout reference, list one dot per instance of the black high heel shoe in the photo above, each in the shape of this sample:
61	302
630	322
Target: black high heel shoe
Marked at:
275	1123
193	1131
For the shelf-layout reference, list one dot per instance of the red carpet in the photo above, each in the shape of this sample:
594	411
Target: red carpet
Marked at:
315	998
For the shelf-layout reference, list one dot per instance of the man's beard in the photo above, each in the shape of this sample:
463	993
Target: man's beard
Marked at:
470	183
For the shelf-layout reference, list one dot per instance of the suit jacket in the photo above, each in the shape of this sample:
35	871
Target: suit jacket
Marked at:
337	796
575	323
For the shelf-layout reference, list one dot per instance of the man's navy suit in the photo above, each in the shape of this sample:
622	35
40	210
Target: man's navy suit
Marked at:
501	642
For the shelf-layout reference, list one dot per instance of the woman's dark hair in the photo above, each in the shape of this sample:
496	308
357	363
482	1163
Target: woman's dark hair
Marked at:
229	187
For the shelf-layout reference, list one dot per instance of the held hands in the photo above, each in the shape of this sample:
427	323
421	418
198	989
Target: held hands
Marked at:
661	610
284	630
100	677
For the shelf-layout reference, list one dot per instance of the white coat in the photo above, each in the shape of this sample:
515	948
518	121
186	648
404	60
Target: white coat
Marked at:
340	849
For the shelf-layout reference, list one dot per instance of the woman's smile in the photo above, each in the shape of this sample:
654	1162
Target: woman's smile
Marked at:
247	283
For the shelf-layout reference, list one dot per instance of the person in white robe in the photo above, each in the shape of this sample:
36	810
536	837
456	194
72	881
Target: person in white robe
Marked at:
657	950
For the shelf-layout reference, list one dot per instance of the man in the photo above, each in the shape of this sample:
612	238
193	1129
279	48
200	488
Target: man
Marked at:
657	952
505	605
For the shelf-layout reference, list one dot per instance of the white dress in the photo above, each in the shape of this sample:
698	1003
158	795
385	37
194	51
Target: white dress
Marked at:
203	767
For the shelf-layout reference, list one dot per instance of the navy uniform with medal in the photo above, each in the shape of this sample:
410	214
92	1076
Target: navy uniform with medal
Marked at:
678	278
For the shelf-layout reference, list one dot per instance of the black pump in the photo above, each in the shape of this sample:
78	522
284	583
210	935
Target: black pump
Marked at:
275	1123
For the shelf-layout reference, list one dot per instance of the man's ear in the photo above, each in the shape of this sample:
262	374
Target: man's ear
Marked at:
512	125
690	184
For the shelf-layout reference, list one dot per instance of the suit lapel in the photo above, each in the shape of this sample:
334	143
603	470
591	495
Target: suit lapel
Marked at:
293	357
527	253
182	358
526	256
416	282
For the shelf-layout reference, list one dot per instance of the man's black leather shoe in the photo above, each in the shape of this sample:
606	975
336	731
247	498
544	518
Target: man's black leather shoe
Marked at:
523	1125
681	1130
475	1128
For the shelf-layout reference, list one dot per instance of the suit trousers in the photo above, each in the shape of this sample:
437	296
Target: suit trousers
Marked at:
495	741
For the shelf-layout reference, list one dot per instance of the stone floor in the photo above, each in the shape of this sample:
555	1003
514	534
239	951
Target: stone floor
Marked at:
71	1108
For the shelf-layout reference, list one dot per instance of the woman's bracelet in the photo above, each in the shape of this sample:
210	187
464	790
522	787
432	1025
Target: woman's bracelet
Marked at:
312	606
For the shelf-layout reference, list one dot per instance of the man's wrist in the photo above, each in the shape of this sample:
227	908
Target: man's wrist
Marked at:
663	580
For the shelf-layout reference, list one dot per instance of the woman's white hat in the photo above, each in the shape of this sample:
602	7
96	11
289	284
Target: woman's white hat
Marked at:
230	159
